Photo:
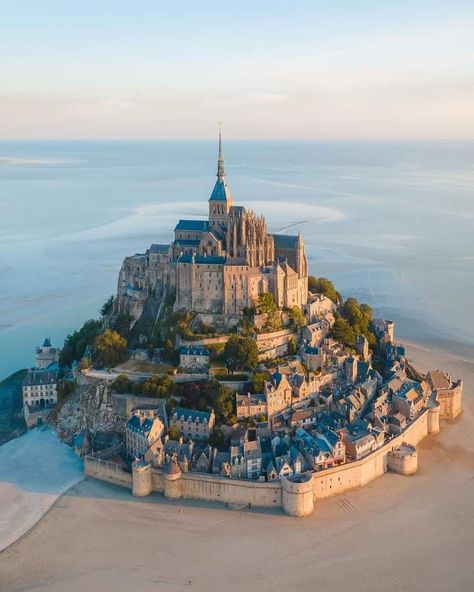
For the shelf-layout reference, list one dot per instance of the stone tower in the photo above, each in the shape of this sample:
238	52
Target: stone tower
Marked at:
221	200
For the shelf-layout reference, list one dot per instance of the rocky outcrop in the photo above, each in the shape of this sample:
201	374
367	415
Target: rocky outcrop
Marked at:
88	408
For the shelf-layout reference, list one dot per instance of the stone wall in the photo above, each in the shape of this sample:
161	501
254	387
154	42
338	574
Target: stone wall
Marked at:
107	471
273	345
296	498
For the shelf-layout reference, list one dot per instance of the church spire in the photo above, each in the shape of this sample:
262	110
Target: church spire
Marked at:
220	158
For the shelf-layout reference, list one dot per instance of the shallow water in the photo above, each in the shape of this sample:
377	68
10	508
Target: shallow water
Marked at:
390	222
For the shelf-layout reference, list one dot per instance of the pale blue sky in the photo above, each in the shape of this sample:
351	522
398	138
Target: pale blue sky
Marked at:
150	69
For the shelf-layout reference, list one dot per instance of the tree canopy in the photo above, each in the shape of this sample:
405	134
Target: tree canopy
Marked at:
107	307
297	318
110	348
266	306
240	353
324	286
76	343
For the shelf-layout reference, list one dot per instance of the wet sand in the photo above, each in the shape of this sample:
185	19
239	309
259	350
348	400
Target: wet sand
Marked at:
398	533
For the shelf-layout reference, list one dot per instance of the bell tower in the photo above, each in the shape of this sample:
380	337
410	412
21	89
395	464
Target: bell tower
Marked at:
221	197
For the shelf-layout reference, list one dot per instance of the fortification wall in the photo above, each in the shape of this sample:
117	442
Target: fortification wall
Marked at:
296	498
361	472
222	489
107	471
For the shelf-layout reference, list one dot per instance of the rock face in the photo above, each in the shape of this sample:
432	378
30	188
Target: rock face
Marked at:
89	408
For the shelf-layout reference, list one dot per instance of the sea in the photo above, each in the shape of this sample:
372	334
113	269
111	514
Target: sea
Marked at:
391	223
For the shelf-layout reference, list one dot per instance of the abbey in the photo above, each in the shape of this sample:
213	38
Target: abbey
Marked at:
216	266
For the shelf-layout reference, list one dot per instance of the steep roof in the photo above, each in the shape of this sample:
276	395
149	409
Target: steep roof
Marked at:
221	191
158	248
196	225
202	260
194	350
285	241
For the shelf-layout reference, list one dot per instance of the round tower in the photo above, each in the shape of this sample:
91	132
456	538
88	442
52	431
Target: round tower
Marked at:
141	478
172	478
297	495
403	459
433	417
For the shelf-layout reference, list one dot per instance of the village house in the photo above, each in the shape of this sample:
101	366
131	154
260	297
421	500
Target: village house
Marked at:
319	451
318	306
141	431
194	359
278	394
410	399
250	405
196	425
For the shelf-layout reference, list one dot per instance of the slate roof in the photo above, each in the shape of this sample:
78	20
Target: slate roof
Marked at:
188	242
196	225
191	414
221	191
47	342
40	376
285	241
194	350
135	424
158	248
199	259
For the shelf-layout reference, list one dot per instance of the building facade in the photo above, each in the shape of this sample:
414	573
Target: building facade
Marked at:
216	266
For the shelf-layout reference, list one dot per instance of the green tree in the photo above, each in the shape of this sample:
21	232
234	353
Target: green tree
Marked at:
224	404
110	348
174	433
160	386
122	384
240	353
258	381
84	364
343	332
217	439
297	318
292	347
122	325
266	306
76	343
107	307
325	287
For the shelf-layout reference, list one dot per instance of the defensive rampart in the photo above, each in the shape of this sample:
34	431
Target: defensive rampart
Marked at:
295	497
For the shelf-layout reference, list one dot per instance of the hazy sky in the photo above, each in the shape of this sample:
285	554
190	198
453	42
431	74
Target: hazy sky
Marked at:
290	69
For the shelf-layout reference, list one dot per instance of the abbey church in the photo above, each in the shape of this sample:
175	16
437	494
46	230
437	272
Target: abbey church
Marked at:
217	266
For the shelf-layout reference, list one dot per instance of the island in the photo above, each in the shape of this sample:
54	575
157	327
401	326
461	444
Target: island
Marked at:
222	371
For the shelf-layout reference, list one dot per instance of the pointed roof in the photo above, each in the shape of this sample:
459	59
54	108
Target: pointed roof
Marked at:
47	342
221	191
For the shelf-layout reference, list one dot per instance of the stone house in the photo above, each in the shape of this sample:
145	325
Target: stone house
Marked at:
318	306
250	405
448	393
196	425
141	431
194	358
278	394
40	387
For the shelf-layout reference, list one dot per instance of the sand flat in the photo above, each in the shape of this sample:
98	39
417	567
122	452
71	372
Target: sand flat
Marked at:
398	533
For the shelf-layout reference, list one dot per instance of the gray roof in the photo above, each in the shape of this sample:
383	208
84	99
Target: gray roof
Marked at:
194	350
192	414
199	259
40	376
196	225
285	241
221	191
158	248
